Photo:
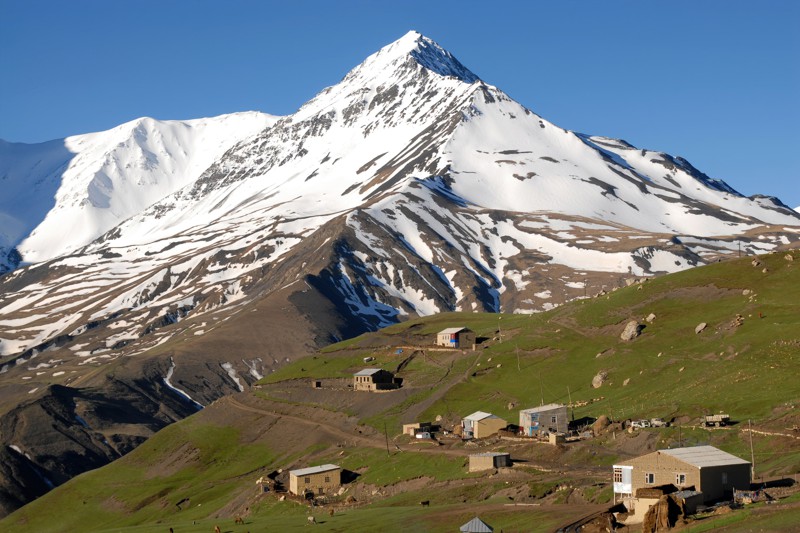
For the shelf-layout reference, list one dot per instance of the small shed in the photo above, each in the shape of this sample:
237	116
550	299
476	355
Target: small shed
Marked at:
480	424
459	337
476	525
545	419
416	427
372	379
706	469
318	480
489	461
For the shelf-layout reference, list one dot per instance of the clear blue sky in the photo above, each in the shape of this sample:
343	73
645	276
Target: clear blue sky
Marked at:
715	81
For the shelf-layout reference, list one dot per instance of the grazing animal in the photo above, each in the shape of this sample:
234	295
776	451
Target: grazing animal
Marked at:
312	520
216	529
426	503
239	520
331	512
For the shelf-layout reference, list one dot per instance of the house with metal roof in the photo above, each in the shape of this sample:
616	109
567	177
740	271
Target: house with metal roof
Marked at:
460	337
706	469
317	480
480	424
373	379
545	419
476	525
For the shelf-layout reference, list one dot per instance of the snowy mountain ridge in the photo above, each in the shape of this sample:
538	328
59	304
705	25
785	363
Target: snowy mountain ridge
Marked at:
62	194
442	182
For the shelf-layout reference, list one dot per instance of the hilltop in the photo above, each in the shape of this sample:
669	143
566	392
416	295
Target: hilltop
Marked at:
202	471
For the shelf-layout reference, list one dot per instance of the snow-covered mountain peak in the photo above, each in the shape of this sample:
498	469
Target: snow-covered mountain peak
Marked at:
423	50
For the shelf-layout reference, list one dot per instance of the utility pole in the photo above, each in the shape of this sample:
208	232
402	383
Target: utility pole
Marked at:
569	395
386	434
752	455
516	349
541	388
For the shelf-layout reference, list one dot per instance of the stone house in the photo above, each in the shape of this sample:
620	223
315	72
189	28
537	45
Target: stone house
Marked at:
318	480
480	424
702	468
460	337
550	418
489	461
372	379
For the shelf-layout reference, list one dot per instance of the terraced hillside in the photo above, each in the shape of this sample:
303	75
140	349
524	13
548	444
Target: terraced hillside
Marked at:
202	471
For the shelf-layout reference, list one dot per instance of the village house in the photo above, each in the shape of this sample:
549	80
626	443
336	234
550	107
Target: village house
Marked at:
701	468
480	424
417	427
489	461
476	525
550	418
456	338
317	480
372	379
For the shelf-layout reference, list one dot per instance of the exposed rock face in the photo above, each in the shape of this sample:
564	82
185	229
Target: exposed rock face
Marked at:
700	327
632	330
651	317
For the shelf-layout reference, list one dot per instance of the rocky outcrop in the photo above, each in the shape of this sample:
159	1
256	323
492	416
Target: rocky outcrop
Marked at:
632	330
599	379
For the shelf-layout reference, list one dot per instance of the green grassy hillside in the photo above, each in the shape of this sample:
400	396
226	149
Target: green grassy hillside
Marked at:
202	471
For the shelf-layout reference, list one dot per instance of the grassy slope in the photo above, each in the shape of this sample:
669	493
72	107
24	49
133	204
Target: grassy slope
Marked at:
748	371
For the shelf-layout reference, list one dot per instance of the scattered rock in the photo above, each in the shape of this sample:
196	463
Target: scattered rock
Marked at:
738	321
438	418
599	379
765	270
746	292
632	330
681	369
789	257
650	317
756	263
659	354
700	327
511	405
627	380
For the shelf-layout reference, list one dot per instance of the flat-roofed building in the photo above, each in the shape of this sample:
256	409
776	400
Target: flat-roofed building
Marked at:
489	461
318	480
550	418
459	337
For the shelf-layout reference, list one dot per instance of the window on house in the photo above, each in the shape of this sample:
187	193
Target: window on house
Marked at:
680	479
321	491
307	480
649	478
327	479
617	475
552	419
724	478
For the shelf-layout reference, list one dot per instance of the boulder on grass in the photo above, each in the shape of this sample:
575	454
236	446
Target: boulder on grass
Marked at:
632	330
